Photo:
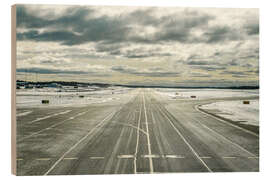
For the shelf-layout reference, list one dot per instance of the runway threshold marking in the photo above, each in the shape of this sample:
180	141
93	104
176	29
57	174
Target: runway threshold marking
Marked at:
184	139
78	142
49	116
148	138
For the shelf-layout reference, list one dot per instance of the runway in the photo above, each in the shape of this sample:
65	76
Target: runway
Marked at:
145	133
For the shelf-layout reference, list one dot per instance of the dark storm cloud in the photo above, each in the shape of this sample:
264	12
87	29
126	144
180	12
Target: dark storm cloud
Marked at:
150	72
209	68
233	72
218	34
200	63
58	71
252	28
48	71
108	29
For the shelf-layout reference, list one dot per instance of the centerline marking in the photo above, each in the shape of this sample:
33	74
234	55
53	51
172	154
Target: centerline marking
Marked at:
148	138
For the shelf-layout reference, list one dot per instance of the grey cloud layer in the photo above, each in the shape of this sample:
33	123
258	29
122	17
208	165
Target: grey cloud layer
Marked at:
191	43
152	72
79	25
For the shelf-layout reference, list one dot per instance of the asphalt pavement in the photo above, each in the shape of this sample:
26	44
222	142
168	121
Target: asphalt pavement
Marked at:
145	133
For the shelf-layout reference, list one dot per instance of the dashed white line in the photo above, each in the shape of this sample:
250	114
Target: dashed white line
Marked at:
126	156
253	157
148	138
43	159
205	157
97	157
151	156
174	156
228	157
70	158
137	142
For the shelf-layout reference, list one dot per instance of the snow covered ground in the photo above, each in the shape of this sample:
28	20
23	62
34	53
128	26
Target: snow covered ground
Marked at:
237	111
64	97
205	93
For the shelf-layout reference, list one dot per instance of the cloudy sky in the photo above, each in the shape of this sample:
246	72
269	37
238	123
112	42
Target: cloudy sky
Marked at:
138	45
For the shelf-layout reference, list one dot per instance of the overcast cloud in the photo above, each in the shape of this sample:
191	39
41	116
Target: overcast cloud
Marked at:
136	44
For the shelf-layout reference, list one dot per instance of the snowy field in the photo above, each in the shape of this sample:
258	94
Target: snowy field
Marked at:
205	93
67	97
237	111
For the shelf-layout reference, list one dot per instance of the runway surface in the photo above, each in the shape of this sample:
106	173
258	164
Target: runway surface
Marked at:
140	133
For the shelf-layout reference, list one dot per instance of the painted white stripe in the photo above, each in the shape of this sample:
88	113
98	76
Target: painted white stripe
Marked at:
24	113
49	116
48	128
137	142
78	142
70	158
225	122
253	157
228	157
151	156
174	156
43	159
184	139
205	157
125	156
226	139
96	157
148	138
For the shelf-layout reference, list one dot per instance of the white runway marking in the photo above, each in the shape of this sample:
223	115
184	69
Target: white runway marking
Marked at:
148	138
125	156
70	158
43	159
137	142
228	140
205	157
225	122
184	139
96	157
49	116
151	156
253	157
130	125
48	128
78	142
174	156
24	113
228	157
